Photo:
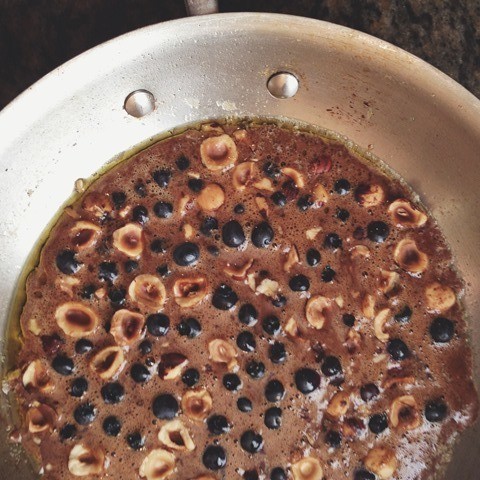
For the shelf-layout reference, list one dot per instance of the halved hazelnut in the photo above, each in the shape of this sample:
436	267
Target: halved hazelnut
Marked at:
66	283
84	234
262	205
359	251
157	465
127	327
218	153
291	259
171	365
148	291
268	287
33	326
129	240
211	198
40	418
307	468
241	134
37	376
244	175
379	323
197	404
381	461
188	231
84	461
312	233
291	327
190	291
174	435
369	195
264	184
440	298
409	257
295	175
387	281
404	214
76	319
339	405
320	194
317	310
238	272
97	203
107	362
223	352
368	306
404	413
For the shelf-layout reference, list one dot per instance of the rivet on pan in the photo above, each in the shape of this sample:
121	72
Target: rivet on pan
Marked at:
139	103
283	85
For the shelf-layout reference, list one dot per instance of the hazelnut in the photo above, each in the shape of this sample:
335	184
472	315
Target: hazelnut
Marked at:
317	310
147	291
107	362
40	418
243	175
171	365
312	233
33	326
369	195
387	281
404	413
264	184
353	340
37	376
212	127
66	284
404	214
98	204
291	259
267	287
238	272
223	352
379	323
218	153
440	298
211	198
307	468
291	327
368	306
185	204
174	435
295	175
84	235
262	205
197	404
190	291
320	194
127	327
381	461
240	134
157	465
409	257
84	461
76	319
188	231
128	240
395	380
339	405
359	251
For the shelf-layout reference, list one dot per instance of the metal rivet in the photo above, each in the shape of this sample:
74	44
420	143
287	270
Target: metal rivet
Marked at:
283	85
139	103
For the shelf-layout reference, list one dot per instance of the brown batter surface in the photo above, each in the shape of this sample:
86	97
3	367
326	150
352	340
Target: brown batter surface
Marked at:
141	360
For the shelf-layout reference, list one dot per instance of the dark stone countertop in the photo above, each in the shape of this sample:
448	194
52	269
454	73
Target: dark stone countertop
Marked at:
38	35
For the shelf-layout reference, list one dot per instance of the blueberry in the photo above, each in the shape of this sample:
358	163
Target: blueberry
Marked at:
163	270
112	393
279	199
79	387
162	177
67	263
378	423
182	163
139	373
273	418
186	254
271	325
158	245
140	189
68	431
436	411
191	377
299	283
278	473
239	209
224	298
232	382
328	274
307	380
348	319
246	341
208	225
140	214
88	292
248	315
214	457
277	352
251	441
112	426
377	231
145	347
279	301
244	404
213	250
165	407
158	324
342	186
135	440
195	185
85	414
83	346
218	424
232	234
107	271
274	391
304	203
163	209
364	475
131	266
333	438
117	297
343	214
63	365
332	241
313	257
271	170
262	235
119	199
250	475
442	330
331	366
369	391
189	327
404	315
255	369
397	349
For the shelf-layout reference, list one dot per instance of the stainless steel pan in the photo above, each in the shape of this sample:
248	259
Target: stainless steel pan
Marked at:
423	124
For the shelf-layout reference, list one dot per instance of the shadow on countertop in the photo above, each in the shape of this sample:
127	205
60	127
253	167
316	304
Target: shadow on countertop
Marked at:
39	35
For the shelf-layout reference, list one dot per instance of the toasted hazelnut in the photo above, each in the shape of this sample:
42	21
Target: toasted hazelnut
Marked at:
174	435
381	461
404	214
33	326
241	134
128	240
41	418
359	251
197	404
291	259
291	327
84	461
37	376
440	298
84	235
66	283
339	405
369	195
148	291
317	310
211	198
185	204
295	175
264	184
404	414
379	323
223	352
243	175
353	340
387	281
368	306
238	272
218	153
307	468
340	301
76	319
190	291
262	205
409	257
127	327
100	293
171	365
268	287
312	233
157	465
97	203
107	362
188	231
320	194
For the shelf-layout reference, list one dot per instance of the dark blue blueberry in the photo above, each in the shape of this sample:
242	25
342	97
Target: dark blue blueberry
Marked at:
162	177
271	170
145	347
119	199
277	352
165	407
213	250
186	254
112	426
436	411
304	203
195	185
163	270
333	438
404	315
369	391
189	327
108	271
278	473
255	369
299	283
246	341
131	266
279	301
348	319
307	380
273	418
135	440
313	257
163	209
342	186
79	387
278	198
251	441
232	382
331	366
117	297
140	189
191	377
85	414
343	214
274	391
244	404
364	475
332	241
250	475
397	349
239	209
232	234
140	214
208	225
139	373
112	393
63	365
442	330
224	298
328	274
88	292
182	163
248	315
214	457
271	325
262	235
158	245
67	263
377	231
378	423
68	431
83	346
218	424
158	324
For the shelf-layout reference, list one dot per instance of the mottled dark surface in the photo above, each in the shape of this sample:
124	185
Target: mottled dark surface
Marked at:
38	35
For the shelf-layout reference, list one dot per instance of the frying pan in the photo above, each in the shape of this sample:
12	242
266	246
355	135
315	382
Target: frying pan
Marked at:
388	102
